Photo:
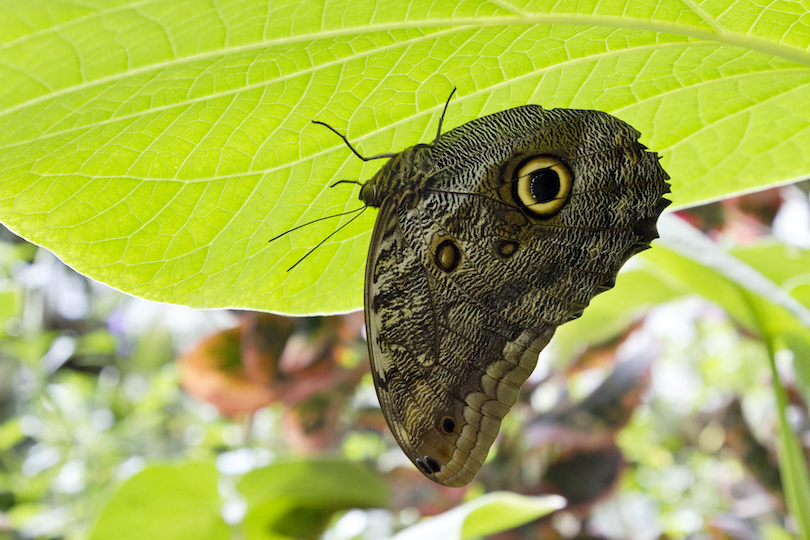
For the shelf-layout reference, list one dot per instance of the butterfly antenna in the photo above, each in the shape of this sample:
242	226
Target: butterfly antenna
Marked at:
441	118
352	148
316	221
360	210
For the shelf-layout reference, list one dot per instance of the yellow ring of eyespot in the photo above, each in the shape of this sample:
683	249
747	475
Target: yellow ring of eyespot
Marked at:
523	191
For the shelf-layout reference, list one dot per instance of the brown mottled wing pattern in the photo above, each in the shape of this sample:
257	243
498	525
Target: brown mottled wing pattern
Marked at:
464	287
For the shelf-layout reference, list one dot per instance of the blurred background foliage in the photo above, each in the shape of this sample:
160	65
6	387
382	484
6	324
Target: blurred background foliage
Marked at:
122	418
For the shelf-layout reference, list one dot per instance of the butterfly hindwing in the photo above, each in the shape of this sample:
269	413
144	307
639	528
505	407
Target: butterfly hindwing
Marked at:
444	375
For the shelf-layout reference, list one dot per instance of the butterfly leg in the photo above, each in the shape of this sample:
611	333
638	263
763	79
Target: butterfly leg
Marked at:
352	148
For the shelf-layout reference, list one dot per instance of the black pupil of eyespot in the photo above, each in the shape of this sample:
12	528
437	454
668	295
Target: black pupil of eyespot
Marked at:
545	185
448	425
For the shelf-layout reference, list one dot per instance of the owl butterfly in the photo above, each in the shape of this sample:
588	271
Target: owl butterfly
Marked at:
487	239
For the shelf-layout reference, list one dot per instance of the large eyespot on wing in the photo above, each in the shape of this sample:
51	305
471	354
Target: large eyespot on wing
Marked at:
540	185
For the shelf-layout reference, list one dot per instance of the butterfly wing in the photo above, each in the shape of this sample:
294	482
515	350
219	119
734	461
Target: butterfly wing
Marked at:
446	370
466	282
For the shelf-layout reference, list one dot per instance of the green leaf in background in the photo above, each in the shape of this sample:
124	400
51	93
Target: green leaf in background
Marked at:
704	268
763	287
10	434
787	266
295	499
781	273
763	307
165	503
792	461
612	312
486	515
157	146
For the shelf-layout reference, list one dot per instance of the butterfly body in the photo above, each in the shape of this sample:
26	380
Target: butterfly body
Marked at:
486	240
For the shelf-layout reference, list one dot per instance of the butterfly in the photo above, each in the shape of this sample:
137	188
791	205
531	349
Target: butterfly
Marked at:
486	240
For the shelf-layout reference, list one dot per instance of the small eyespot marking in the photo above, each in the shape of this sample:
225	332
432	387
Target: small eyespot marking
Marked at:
433	464
447	256
448	425
423	466
506	248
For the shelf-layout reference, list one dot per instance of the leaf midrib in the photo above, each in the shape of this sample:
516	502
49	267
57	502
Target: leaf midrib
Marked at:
320	67
723	37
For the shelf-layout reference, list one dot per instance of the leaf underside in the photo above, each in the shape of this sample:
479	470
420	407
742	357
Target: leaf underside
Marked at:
157	147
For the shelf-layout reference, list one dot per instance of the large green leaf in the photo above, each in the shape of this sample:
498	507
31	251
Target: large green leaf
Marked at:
488	514
165	503
339	483
158	145
295	498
